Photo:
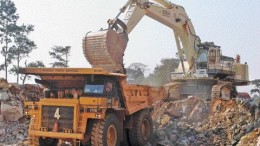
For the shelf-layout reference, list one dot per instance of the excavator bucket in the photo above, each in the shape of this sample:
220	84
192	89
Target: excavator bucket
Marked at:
105	49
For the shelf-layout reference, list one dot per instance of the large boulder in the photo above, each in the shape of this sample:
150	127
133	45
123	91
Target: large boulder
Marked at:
3	84
2	131
1	118
3	95
192	109
250	139
12	111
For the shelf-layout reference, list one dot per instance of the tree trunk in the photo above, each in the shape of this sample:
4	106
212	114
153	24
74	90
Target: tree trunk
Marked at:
66	60
6	49
18	65
5	65
25	76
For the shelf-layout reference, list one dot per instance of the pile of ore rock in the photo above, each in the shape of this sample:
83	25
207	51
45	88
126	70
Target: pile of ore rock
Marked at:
11	101
197	122
13	127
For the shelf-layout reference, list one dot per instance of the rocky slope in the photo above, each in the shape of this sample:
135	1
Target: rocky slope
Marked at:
13	125
193	122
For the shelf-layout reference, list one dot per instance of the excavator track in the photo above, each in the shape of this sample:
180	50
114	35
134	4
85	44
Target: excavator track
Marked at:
105	49
205	88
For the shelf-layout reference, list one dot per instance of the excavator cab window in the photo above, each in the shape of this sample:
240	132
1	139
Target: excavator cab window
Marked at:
202	59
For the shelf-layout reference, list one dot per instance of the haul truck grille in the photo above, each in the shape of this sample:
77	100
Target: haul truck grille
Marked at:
65	121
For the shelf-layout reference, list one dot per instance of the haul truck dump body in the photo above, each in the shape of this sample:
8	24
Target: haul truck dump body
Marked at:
90	106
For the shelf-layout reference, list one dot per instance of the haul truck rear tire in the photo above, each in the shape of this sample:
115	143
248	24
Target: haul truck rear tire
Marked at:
106	132
142	129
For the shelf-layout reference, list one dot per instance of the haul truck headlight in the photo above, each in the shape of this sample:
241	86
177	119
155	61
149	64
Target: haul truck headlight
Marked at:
67	130
97	115
43	129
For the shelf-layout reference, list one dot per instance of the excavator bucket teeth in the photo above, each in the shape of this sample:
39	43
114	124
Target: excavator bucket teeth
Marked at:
105	49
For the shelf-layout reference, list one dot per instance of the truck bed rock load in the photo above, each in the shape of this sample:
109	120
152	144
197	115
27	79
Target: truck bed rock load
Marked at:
105	49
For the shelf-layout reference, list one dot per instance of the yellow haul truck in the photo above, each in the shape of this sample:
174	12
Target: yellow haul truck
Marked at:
90	106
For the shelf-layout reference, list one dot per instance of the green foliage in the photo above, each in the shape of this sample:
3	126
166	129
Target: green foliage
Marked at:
256	84
22	48
161	74
61	54
35	64
31	64
8	18
14	41
135	73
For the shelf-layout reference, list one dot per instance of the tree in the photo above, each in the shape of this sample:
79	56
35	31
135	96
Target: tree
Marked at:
256	84
8	18
61	54
31	64
162	73
23	46
135	73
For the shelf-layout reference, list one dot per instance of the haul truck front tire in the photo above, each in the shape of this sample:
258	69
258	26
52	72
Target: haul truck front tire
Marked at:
106	132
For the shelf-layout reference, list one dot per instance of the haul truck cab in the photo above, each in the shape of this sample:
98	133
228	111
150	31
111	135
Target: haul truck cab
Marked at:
90	106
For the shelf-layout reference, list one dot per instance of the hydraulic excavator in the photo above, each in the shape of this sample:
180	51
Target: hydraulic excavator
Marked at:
203	70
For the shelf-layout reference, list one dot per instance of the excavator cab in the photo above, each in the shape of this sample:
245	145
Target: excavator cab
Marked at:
211	62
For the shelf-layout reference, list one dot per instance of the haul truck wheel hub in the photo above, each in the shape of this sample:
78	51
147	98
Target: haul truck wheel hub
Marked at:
145	128
111	135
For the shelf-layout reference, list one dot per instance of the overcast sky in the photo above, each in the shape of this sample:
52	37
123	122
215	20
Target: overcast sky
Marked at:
233	25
